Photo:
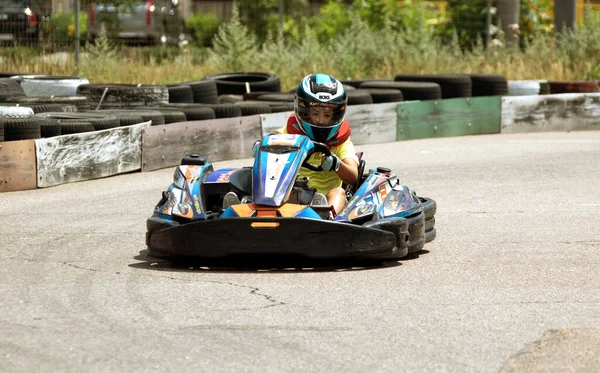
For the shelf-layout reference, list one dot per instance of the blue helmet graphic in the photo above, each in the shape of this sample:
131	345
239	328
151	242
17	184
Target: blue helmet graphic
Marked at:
320	93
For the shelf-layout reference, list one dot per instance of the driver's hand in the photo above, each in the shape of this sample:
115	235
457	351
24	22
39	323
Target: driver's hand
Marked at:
330	163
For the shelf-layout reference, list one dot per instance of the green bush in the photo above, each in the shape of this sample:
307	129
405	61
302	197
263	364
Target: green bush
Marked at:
202	27
64	26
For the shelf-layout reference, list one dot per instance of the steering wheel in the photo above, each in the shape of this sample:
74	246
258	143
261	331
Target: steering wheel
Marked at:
318	147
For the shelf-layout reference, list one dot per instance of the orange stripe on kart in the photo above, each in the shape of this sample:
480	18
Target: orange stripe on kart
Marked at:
243	210
287	210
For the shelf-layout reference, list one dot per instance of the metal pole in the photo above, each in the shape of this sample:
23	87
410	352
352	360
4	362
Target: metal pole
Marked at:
280	19
565	15
508	12
488	24
77	41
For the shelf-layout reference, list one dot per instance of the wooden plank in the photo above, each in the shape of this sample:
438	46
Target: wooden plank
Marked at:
217	140
17	165
448	117
90	155
372	123
557	112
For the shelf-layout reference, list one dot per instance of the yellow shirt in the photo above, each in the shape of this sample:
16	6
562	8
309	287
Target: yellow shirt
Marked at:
324	181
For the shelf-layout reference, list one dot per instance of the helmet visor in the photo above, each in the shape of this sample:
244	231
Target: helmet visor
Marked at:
321	114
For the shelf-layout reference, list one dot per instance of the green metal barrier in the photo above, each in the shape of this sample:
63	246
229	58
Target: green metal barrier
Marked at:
449	117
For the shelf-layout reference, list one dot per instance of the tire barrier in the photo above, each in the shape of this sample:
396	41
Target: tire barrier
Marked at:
41	86
380	95
170	115
39	108
525	87
180	93
488	85
411	91
359	97
203	91
79	102
98	121
22	128
240	83
113	96
579	86
155	117
254	108
452	85
192	111
15	112
227	130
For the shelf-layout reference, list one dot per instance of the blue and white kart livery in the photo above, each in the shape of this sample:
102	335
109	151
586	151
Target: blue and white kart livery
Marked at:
277	213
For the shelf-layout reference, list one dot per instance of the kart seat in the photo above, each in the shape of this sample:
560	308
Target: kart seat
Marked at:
351	189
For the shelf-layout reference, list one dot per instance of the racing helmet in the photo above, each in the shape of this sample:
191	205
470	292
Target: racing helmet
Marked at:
320	91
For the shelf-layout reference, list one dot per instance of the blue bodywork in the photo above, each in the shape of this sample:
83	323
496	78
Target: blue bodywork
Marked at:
270	182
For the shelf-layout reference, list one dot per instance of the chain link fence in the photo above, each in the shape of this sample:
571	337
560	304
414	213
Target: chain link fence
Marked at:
50	25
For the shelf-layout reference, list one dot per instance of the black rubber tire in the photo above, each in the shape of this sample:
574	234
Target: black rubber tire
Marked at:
544	88
452	85
253	108
381	95
283	107
226	110
354	82
193	111
39	108
100	121
128	119
235	83
1	131
488	85
9	74
359	97
22	128
203	91
277	97
180	93
411	91
147	115
77	127
11	111
50	85
50	129
124	95
170	115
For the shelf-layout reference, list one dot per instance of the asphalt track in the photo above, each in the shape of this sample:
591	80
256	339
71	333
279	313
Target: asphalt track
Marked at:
511	284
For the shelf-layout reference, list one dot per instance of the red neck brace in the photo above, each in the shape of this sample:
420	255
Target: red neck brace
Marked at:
340	137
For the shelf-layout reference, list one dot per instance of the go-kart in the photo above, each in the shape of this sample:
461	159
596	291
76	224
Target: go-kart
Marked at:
277	213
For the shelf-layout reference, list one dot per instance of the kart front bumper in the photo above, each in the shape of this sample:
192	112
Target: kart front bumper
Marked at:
311	238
